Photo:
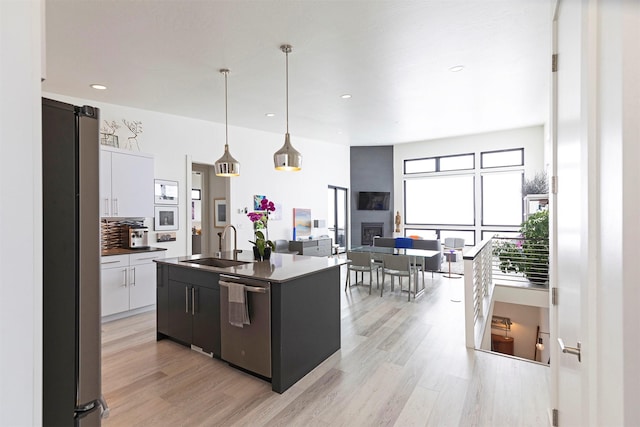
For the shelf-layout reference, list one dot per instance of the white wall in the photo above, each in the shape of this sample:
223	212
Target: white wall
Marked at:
20	214
524	320
172	138
618	136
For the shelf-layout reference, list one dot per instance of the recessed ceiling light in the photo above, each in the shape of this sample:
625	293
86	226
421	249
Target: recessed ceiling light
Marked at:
270	114
345	96
98	86
456	68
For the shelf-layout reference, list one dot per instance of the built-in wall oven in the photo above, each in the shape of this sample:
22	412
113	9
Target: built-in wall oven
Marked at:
247	346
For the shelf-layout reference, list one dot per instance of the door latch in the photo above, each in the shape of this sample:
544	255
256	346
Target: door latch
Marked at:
571	350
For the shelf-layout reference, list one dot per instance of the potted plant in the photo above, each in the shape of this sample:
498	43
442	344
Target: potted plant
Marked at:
262	246
529	255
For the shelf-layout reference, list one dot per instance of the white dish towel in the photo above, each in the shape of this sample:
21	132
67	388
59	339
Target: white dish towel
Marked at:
238	309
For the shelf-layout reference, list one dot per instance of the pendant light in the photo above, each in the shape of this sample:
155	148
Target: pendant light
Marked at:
287	158
226	165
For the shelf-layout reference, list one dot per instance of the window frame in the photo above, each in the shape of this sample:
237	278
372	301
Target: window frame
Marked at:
482	154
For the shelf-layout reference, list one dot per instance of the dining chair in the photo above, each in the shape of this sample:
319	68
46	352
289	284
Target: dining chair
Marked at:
361	262
396	266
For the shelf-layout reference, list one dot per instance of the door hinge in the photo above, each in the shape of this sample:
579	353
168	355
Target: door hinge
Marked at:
554	417
554	184
554	296
554	62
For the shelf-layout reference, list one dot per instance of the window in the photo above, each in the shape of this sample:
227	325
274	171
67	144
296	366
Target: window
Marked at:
502	198
456	163
440	164
467	235
502	158
420	165
440	200
426	234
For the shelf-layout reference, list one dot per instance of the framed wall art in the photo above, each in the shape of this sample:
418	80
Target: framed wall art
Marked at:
166	237
165	192
302	221
166	218
257	199
219	212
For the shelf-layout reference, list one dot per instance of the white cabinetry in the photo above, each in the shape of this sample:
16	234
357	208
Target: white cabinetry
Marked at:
126	183
128	282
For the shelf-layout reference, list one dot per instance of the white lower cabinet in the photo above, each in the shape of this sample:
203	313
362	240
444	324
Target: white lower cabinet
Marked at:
128	282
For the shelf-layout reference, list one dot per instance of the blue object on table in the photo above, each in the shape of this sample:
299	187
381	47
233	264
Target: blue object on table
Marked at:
404	242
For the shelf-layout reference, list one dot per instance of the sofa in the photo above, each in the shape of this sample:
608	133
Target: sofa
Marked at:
430	264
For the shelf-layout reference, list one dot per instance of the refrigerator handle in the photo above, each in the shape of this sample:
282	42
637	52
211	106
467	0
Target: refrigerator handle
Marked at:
104	408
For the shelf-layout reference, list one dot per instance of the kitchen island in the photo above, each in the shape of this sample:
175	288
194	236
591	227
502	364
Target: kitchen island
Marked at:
302	306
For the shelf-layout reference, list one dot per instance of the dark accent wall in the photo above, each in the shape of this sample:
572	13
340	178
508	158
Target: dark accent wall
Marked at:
371	170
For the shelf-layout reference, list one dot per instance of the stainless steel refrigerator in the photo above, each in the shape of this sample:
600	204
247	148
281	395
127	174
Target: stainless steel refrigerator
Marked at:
71	266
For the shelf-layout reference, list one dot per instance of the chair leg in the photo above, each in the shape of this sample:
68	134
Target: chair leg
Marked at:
409	296
370	280
347	282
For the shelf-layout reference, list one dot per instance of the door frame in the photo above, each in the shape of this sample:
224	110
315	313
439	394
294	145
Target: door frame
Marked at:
335	189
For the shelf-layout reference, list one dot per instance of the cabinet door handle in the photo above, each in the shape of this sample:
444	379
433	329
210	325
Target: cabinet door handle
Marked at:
193	301
115	206
106	206
186	299
124	278
133	276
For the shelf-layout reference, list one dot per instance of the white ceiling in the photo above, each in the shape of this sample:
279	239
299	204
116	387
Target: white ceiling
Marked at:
393	57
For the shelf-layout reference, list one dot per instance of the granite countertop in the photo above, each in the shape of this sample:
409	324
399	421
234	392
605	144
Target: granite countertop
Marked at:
125	251
280	268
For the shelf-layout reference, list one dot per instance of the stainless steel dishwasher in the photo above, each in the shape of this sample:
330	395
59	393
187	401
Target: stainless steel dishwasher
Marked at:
248	347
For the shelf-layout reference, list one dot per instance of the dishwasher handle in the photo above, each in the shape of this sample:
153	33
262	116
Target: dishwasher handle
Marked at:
255	289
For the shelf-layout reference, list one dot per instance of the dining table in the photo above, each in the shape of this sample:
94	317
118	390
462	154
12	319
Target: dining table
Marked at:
413	253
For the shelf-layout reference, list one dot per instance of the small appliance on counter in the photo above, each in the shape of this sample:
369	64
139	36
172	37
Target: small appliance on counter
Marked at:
136	237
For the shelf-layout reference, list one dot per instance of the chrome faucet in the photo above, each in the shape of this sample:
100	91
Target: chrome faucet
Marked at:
236	251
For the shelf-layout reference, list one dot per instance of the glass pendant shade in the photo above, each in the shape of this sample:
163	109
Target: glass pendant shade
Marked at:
287	158
227	165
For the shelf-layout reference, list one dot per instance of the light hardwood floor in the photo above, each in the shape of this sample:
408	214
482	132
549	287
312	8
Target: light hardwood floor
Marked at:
402	364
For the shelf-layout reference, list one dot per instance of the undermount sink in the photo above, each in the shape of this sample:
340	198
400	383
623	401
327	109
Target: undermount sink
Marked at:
216	262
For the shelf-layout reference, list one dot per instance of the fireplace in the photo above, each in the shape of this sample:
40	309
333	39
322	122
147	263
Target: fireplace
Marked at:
370	230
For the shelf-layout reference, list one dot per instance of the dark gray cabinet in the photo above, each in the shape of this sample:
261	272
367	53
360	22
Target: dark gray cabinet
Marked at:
304	313
188	307
311	247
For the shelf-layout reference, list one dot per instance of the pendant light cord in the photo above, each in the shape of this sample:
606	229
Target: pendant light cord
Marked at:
287	88
226	111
